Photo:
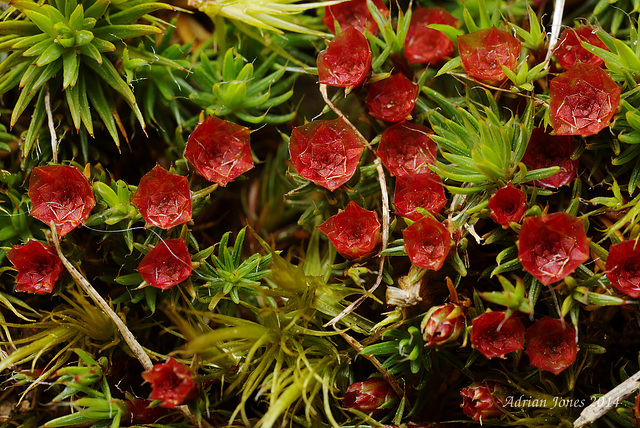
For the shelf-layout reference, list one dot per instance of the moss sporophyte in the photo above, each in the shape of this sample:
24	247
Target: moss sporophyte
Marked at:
329	213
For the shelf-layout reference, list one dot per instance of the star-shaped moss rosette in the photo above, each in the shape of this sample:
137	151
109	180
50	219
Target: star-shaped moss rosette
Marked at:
552	246
427	45
346	61
551	345
163	198
38	265
583	100
325	152
60	194
495	335
272	15
219	150
228	273
478	147
70	49
160	73
232	86
167	264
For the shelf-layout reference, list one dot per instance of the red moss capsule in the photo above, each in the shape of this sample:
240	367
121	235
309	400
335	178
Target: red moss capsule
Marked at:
623	267
545	150
62	194
167	264
551	345
392	99
172	383
507	205
419	191
354	232
406	149
353	13
494	336
583	100
347	60
139	413
325	152
219	150
38	265
551	247
484	52
569	50
427	243
425	45
163	198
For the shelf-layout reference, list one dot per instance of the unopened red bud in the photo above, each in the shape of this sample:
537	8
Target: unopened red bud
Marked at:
369	396
483	400
443	324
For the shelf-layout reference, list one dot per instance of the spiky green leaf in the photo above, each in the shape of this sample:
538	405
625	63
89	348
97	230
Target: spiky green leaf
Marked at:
50	54
121	32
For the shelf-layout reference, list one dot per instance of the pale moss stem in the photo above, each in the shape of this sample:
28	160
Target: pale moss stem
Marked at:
385	240
608	401
52	129
385	210
128	337
556	26
79	279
